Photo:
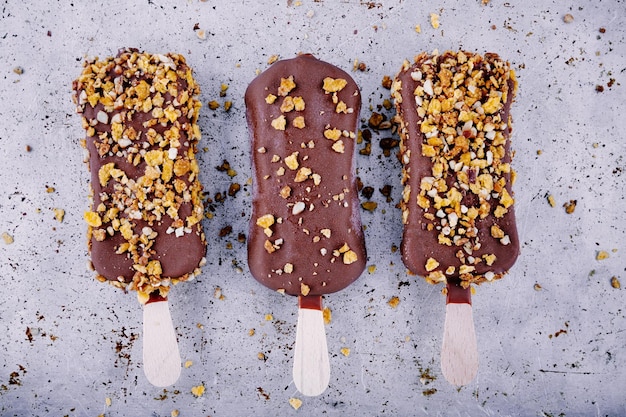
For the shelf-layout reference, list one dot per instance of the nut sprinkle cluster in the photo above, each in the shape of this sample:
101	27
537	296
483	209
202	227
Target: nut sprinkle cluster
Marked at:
455	129
144	227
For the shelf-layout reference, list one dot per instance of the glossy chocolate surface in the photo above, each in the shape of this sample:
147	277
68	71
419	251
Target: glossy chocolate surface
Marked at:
318	248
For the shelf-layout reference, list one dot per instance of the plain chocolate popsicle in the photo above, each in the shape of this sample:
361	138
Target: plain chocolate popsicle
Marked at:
144	226
305	233
458	213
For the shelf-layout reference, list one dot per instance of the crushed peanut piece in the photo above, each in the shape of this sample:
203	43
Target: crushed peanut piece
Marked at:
334	85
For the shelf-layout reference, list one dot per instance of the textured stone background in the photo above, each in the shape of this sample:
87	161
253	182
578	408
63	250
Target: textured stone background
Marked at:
69	343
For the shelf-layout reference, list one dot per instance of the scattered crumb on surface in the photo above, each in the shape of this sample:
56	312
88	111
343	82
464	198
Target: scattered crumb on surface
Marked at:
59	214
393	302
8	239
345	351
434	20
601	255
551	200
568	18
570	206
327	314
295	403
198	390
188	364
615	283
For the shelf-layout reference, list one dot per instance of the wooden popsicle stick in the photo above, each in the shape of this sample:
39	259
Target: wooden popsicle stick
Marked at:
161	357
459	350
311	366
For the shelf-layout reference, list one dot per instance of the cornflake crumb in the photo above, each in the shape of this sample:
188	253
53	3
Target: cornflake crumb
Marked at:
434	20
59	214
345	351
269	317
615	283
107	401
570	206
198	390
304	289
393	302
188	364
272	59
295	403
601	255
371	269
8	239
175	413
551	200
327	314
568	18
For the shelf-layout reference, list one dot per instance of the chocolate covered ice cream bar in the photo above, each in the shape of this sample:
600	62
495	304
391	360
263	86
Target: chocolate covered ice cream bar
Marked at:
457	206
305	232
144	226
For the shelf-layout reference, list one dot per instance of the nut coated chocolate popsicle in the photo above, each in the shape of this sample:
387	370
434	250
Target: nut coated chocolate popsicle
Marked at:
144	226
305	232
457	207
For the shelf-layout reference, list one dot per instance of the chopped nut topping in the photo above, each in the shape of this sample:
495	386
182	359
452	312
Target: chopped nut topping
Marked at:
302	174
279	123
287	105
265	221
431	264
304	289
292	161
298	103
332	134
286	85
334	85
298	208
298	122
285	192
350	257
338	146
459	98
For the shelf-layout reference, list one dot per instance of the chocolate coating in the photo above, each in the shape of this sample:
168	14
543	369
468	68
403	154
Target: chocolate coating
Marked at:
319	249
422	227
158	205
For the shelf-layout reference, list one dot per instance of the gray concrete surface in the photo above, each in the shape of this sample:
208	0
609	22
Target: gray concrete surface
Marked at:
551	335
